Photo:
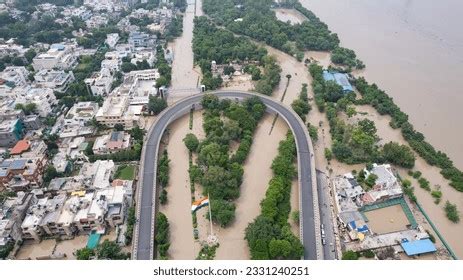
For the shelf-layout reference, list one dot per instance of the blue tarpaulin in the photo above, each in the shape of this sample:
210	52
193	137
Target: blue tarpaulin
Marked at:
353	225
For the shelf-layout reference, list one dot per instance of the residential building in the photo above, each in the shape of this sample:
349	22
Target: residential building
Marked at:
12	213
19	174
17	75
42	217
139	86
112	61
29	149
11	131
97	174
61	162
32	122
59	56
96	21
58	80
50	218
12	49
141	39
116	110
73	217
114	142
145	54
124	50
43	98
116	207
100	82
91	216
112	39
80	114
20	147
386	186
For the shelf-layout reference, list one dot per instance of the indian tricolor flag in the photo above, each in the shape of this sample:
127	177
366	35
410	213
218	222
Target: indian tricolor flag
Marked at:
198	204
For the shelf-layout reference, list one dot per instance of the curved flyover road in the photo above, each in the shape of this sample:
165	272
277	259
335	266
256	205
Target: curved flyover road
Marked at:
143	243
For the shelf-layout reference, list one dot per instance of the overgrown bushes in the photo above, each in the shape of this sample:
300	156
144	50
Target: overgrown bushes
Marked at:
131	219
301	105
162	238
163	176
451	212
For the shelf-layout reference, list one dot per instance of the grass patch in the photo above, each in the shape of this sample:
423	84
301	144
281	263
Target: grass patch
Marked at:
125	172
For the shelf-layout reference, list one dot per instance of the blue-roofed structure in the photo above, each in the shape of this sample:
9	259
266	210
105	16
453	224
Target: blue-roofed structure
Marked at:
418	247
18	164
340	79
59	47
360	228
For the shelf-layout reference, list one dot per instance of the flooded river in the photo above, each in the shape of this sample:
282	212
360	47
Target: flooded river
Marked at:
413	50
184	74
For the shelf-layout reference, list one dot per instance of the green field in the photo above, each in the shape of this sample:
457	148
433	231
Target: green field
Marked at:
125	172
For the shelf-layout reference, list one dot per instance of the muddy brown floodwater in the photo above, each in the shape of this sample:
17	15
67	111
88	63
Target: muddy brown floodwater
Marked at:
451	232
257	174
178	207
184	74
414	50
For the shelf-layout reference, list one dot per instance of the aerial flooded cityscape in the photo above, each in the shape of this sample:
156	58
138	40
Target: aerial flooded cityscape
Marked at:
230	130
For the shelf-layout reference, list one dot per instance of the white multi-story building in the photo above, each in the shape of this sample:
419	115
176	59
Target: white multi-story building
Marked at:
43	98
59	56
41	217
139	86
81	113
141	40
116	110
96	21
146	54
58	80
100	82
112	39
15	74
112	61
98	173
12	49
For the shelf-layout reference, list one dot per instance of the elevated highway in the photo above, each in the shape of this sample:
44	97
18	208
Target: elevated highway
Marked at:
143	242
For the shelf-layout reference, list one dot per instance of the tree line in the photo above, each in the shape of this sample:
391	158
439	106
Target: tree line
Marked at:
385	105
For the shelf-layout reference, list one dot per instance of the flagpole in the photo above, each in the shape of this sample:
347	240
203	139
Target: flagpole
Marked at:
210	212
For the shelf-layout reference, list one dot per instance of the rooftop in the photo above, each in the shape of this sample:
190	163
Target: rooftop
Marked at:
340	79
418	247
20	147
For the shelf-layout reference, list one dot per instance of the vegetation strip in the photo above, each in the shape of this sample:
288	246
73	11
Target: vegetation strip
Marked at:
220	173
269	236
